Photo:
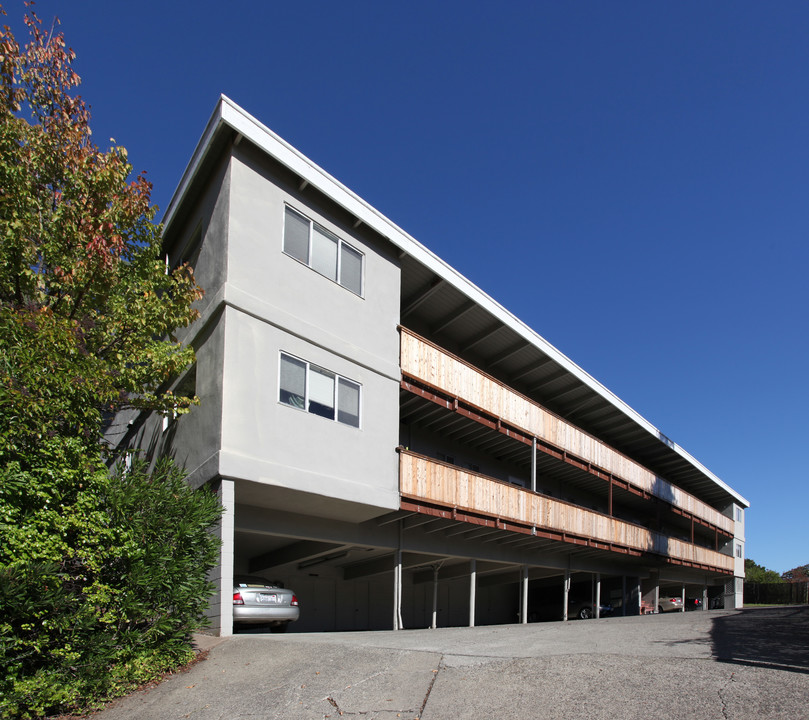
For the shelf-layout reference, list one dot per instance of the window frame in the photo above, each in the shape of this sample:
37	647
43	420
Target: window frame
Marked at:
314	225
337	377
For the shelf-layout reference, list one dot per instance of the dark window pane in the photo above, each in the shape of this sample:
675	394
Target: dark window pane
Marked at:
351	269
293	381
348	403
296	236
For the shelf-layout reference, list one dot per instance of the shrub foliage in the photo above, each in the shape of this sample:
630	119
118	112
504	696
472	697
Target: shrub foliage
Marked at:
105	593
103	576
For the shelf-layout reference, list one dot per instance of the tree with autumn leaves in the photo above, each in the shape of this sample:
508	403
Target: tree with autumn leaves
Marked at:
87	315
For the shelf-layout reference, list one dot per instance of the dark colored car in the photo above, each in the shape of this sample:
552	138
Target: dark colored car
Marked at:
577	608
693	603
258	601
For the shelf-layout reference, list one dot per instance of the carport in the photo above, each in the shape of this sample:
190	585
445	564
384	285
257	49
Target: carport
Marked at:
415	570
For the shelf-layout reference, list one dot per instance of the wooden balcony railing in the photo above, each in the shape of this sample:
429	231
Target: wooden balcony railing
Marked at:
426	362
441	485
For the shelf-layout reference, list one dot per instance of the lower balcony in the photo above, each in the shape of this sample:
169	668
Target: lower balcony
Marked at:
439	488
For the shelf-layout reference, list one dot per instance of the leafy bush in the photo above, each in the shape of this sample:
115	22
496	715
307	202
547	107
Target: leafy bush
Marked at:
116	607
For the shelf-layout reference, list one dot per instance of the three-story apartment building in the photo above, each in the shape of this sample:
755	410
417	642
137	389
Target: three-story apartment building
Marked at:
390	441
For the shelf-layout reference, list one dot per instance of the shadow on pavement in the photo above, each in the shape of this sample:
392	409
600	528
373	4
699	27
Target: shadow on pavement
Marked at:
775	638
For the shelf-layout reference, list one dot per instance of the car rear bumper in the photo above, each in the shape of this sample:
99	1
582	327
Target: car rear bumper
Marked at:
260	615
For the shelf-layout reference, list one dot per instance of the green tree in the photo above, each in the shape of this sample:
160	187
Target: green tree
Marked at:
102	576
80	255
755	573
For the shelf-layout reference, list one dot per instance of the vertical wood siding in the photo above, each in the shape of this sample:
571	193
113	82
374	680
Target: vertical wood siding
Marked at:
420	359
442	484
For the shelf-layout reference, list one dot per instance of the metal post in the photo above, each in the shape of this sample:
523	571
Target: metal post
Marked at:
565	595
524	605
472	584
435	598
533	464
598	595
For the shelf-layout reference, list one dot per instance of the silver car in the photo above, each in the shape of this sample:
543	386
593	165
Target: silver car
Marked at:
257	601
669	603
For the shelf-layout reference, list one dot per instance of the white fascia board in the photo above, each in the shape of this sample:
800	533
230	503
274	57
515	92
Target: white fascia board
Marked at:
230	114
191	170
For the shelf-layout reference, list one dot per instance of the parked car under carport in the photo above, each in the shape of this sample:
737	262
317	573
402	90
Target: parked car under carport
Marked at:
258	601
577	608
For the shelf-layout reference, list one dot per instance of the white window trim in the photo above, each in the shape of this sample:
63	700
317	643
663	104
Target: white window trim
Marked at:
337	378
340	243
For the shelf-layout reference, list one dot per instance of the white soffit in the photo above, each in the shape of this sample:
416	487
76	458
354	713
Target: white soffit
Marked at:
227	113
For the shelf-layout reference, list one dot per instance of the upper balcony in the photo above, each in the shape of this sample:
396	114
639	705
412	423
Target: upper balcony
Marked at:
478	395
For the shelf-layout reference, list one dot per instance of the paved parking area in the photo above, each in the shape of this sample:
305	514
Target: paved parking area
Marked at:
716	665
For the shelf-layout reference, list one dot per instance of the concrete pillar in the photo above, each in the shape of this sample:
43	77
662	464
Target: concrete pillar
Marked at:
221	609
434	624
524	596
640	598
472	587
657	597
682	609
565	595
397	591
704	597
598	595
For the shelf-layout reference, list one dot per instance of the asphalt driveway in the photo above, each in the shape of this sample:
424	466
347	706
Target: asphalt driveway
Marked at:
716	665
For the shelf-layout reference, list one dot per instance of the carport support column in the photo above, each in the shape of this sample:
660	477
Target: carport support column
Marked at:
565	595
524	596
397	591
434	624
222	576
704	597
598	595
682	609
472	584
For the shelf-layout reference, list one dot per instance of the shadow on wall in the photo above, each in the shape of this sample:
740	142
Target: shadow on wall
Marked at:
775	638
663	490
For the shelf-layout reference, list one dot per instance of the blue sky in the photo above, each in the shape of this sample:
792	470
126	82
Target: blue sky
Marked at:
629	178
